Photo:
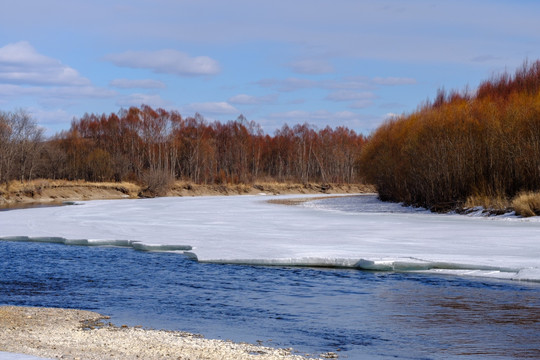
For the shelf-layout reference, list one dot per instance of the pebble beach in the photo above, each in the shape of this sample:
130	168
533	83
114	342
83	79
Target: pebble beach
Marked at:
85	335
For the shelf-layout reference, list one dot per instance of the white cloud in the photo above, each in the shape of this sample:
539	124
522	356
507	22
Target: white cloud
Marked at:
81	92
350	83
140	84
51	118
243	99
311	67
296	101
293	84
152	100
391	115
485	58
20	63
56	93
39	79
443	31
166	61
359	100
10	90
327	117
361	104
290	84
394	81
348	95
392	105
214	108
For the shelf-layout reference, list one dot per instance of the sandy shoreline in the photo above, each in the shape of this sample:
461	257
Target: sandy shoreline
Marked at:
60	191
85	335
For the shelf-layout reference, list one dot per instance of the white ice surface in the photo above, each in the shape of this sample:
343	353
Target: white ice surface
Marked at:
248	230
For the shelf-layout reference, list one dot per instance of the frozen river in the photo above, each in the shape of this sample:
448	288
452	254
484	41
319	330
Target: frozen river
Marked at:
248	230
413	313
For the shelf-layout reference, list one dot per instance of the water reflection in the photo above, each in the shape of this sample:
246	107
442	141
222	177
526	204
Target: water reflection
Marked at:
461	317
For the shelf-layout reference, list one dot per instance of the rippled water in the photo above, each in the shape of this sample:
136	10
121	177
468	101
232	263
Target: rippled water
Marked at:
357	314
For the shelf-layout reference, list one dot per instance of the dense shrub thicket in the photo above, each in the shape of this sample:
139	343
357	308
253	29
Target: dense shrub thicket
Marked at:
461	145
157	146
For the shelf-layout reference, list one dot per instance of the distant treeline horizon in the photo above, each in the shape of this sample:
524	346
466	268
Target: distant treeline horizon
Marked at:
458	146
157	146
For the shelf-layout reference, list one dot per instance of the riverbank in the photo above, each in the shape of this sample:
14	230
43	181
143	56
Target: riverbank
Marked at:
59	191
86	335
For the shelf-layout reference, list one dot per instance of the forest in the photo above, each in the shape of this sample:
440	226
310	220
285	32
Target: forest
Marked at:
155	147
461	146
450	152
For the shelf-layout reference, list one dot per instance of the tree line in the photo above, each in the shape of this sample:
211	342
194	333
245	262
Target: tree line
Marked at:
21	144
461	145
146	145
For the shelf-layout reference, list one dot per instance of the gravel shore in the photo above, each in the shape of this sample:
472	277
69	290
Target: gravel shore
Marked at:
85	335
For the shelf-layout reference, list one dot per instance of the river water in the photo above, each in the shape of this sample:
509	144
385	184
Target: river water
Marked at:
357	314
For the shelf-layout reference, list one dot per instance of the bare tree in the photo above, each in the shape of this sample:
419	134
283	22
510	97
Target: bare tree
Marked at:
21	141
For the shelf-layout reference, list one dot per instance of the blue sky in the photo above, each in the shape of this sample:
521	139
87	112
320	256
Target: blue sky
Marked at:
339	63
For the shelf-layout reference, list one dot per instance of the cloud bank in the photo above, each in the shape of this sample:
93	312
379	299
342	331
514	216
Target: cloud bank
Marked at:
166	61
20	63
213	108
137	84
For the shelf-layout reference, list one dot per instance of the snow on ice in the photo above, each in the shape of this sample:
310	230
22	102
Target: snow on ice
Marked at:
249	230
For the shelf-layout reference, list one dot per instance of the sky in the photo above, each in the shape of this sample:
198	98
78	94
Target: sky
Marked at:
350	63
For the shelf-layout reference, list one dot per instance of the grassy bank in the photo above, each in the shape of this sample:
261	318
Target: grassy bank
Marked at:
524	204
53	191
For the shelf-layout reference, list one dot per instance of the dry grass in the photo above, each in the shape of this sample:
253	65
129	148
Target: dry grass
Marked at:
527	204
488	202
185	188
35	188
524	204
44	190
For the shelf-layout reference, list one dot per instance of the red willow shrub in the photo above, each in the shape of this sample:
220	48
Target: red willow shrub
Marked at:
137	142
461	145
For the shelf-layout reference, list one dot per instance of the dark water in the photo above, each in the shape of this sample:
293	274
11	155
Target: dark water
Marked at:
361	204
358	314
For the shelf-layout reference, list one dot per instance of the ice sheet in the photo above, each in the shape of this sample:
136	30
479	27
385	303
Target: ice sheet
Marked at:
248	230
